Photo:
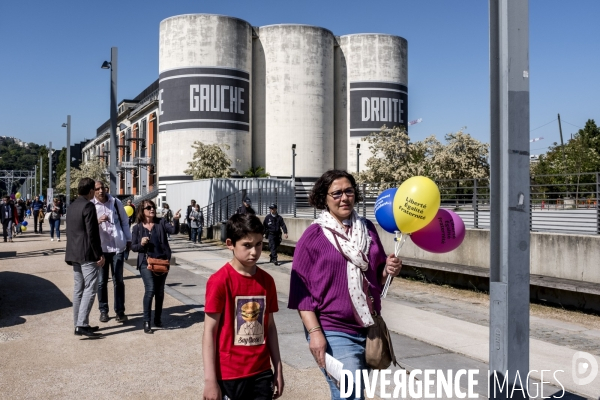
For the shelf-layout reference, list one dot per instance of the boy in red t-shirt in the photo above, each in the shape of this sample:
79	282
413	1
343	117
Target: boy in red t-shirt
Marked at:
240	336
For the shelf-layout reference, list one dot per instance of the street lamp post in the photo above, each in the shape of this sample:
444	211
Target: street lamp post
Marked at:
49	169
41	176
357	158
68	180
113	119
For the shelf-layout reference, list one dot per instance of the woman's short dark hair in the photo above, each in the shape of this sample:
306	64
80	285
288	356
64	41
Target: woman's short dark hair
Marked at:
139	212
242	225
85	185
318	194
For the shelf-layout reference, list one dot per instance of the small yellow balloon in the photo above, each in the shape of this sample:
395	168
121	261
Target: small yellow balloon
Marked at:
18	195
23	229
416	203
129	210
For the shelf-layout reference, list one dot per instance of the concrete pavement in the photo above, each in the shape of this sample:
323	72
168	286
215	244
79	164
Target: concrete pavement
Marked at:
42	359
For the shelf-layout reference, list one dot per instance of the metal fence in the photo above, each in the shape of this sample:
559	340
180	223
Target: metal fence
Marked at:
566	203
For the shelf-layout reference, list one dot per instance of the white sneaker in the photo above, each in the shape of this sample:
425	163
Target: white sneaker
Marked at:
52	239
58	240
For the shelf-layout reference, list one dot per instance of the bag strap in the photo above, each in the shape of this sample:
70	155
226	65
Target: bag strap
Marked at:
119	214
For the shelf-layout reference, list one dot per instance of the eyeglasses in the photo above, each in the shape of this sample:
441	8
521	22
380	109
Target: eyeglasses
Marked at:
149	208
350	192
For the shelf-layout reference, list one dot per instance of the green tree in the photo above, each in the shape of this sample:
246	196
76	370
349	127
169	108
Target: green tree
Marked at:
209	161
256	172
395	157
580	155
462	157
94	169
61	167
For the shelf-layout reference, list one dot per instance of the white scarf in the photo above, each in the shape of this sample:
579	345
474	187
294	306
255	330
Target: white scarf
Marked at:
354	246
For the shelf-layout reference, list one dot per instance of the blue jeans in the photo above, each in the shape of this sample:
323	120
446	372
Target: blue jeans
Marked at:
349	349
154	286
54	225
196	235
114	263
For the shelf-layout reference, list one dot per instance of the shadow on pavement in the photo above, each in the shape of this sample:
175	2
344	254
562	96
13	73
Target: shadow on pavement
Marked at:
35	253
24	294
177	317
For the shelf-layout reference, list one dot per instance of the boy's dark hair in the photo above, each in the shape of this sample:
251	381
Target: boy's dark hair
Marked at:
85	185
318	194
242	225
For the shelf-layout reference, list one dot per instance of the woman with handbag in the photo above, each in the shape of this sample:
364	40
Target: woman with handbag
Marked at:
149	240
338	273
55	210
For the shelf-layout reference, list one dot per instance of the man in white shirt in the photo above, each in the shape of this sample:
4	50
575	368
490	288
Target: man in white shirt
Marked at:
116	240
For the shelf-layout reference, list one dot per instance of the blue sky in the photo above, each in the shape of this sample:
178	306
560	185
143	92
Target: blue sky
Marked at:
52	52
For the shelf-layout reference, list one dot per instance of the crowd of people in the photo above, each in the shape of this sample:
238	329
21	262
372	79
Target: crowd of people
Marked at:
337	276
16	215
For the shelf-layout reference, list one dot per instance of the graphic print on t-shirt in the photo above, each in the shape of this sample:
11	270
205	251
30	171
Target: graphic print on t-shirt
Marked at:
249	320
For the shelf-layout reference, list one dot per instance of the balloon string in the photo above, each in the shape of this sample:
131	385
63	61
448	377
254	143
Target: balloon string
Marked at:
399	242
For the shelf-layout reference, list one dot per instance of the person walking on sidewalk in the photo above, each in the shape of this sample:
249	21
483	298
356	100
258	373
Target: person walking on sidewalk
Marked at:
273	224
167	214
116	240
188	218
246	207
150	240
336	259
56	211
240	341
36	206
20	208
84	253
8	216
197	222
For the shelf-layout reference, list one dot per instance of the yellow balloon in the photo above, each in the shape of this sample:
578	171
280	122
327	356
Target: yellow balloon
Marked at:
23	229
129	210
18	195
416	203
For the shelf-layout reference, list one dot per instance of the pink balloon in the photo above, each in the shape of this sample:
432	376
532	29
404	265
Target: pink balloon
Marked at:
445	233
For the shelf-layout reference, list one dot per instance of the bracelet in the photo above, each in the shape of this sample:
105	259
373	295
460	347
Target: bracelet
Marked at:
316	328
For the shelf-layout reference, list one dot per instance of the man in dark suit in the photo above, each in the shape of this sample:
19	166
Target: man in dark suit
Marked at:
84	253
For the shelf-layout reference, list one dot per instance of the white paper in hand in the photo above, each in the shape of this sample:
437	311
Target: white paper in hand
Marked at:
333	367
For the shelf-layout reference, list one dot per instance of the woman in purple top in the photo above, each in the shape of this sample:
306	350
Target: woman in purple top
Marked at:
336	258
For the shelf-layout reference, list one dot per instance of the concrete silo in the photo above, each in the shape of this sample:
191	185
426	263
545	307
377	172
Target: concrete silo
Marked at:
293	99
371	79
205	67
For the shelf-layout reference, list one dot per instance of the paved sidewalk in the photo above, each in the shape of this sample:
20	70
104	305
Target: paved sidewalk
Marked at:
41	358
429	332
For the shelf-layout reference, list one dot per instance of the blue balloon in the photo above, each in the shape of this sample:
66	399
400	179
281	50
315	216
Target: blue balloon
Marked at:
384	210
24	223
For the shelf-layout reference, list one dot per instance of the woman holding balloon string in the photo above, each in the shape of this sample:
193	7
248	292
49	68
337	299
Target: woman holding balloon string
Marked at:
337	259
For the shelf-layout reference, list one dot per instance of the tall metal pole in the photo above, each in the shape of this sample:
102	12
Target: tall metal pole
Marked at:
50	166
562	144
41	175
68	180
357	158
34	182
510	192
113	121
